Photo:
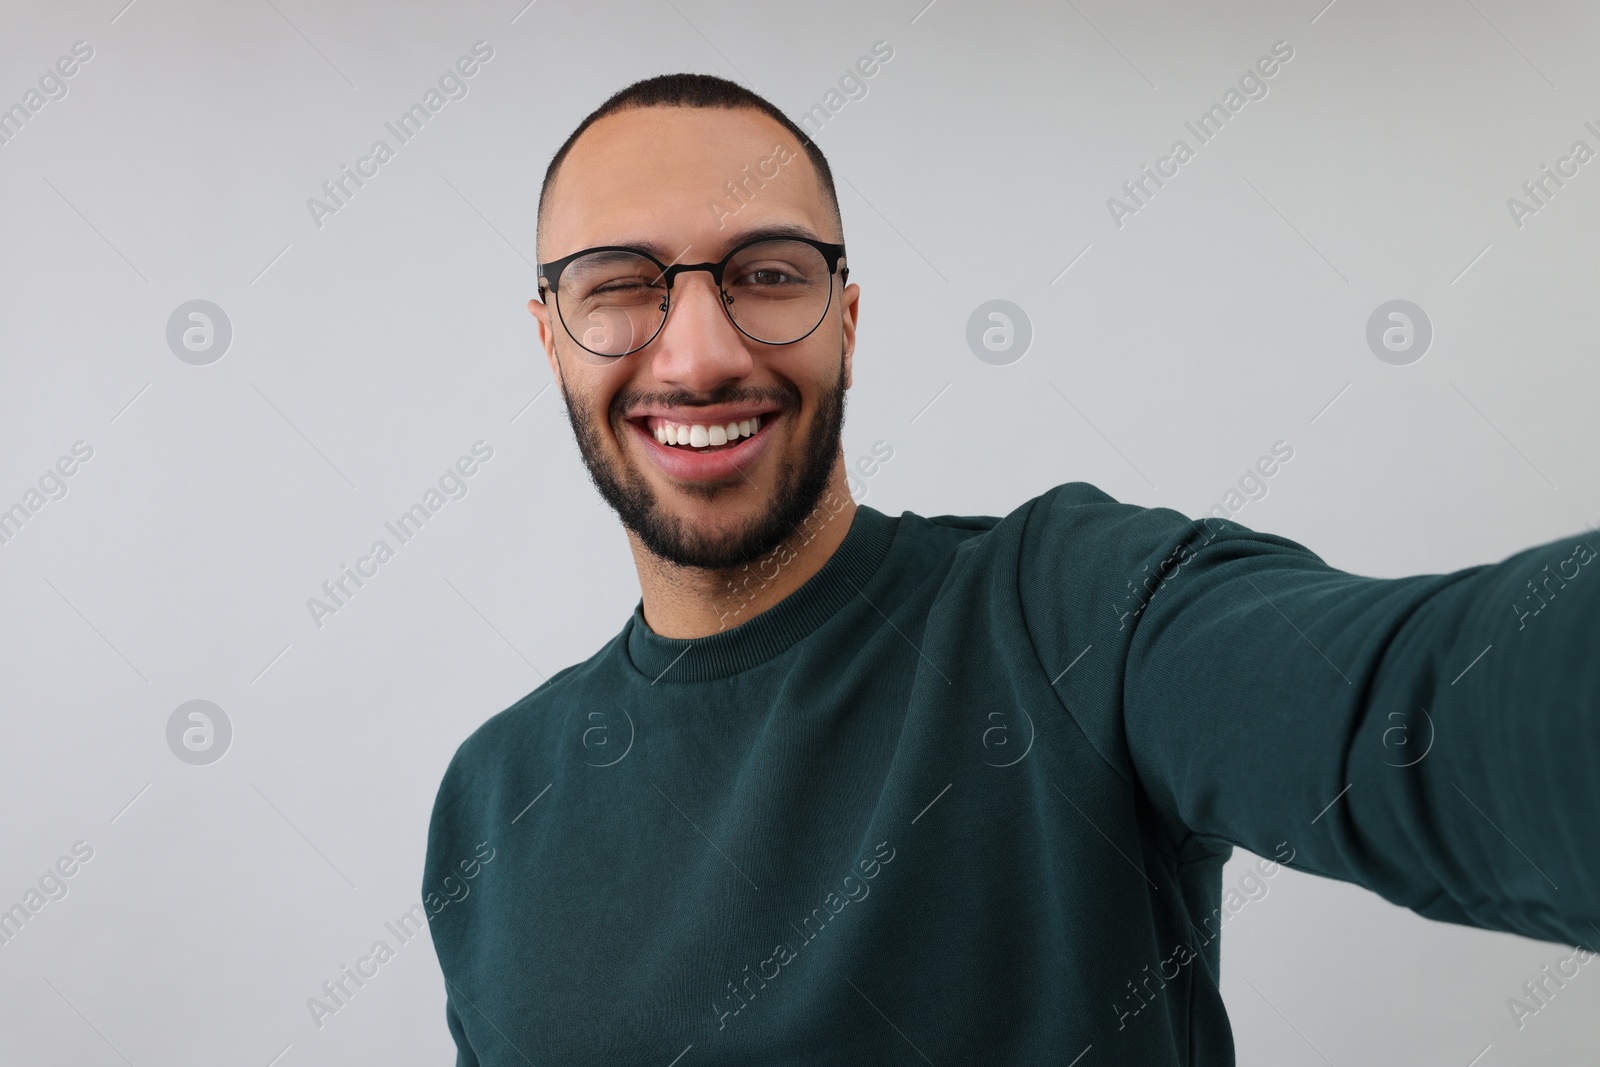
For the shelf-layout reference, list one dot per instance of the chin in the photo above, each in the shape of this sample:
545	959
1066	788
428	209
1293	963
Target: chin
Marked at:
720	522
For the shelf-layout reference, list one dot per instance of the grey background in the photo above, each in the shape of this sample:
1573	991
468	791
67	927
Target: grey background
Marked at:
368	354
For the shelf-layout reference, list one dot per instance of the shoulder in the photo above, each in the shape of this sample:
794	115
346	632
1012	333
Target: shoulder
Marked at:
1080	501
1072	513
1073	519
1085	559
1091	525
519	736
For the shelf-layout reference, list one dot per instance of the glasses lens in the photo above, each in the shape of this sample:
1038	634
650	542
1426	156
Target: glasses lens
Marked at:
612	302
777	291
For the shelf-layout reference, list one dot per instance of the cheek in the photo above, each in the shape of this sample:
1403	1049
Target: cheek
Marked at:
812	367
600	394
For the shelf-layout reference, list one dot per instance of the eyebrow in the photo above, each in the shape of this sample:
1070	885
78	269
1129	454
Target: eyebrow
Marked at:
772	230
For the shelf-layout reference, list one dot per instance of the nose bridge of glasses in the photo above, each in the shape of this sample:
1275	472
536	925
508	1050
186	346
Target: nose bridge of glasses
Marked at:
713	283
677	269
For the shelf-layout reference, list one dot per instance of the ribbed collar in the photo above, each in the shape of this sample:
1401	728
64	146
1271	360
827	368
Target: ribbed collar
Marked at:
852	565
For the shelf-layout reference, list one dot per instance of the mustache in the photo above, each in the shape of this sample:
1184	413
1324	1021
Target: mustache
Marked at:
787	399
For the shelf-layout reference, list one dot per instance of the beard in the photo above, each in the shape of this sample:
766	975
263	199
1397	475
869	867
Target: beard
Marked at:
801	481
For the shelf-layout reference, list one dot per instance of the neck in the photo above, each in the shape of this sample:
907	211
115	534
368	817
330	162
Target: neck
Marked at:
693	602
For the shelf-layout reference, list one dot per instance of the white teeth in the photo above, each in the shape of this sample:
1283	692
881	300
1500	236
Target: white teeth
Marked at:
698	435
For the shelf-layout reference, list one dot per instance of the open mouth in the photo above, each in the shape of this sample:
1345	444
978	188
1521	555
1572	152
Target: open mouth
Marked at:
704	452
702	438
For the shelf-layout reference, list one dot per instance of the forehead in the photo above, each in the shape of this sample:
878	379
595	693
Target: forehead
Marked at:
681	182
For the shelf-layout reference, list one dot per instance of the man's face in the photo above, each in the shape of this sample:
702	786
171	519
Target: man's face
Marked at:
657	179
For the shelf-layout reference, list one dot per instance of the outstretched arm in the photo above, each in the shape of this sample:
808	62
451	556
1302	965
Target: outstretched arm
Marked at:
1434	738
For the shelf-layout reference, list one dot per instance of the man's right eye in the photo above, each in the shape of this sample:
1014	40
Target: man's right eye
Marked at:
626	285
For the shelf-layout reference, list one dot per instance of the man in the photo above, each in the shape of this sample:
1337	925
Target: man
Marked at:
857	788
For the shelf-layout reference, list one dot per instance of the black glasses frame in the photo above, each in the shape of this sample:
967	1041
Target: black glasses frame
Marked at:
550	277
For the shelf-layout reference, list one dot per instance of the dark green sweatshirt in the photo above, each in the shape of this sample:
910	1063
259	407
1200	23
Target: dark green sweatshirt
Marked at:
965	796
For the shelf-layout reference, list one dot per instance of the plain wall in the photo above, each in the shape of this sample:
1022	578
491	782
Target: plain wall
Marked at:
372	347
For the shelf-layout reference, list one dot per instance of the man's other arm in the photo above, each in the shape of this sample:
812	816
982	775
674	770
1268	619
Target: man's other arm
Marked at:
1434	738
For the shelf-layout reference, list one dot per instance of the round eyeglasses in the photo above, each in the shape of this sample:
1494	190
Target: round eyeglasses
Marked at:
613	300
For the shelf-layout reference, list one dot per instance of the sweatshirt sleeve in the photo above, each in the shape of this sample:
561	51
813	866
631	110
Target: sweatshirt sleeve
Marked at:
1434	738
450	829
465	1056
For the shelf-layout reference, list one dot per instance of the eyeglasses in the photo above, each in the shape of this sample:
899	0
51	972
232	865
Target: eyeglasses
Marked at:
613	300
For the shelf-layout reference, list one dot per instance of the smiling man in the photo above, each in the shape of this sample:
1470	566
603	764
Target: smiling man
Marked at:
714	437
853	787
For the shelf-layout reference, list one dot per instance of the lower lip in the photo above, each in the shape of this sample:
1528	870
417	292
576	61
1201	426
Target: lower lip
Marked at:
688	465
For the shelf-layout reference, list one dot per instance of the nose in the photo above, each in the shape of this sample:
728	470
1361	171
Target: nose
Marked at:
698	348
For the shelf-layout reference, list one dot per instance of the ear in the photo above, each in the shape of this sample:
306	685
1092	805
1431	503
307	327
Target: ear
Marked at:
850	300
547	337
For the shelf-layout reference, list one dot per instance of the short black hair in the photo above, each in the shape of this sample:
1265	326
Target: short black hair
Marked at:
694	90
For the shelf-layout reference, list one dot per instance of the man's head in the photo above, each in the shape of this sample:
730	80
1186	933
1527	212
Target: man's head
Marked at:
689	167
